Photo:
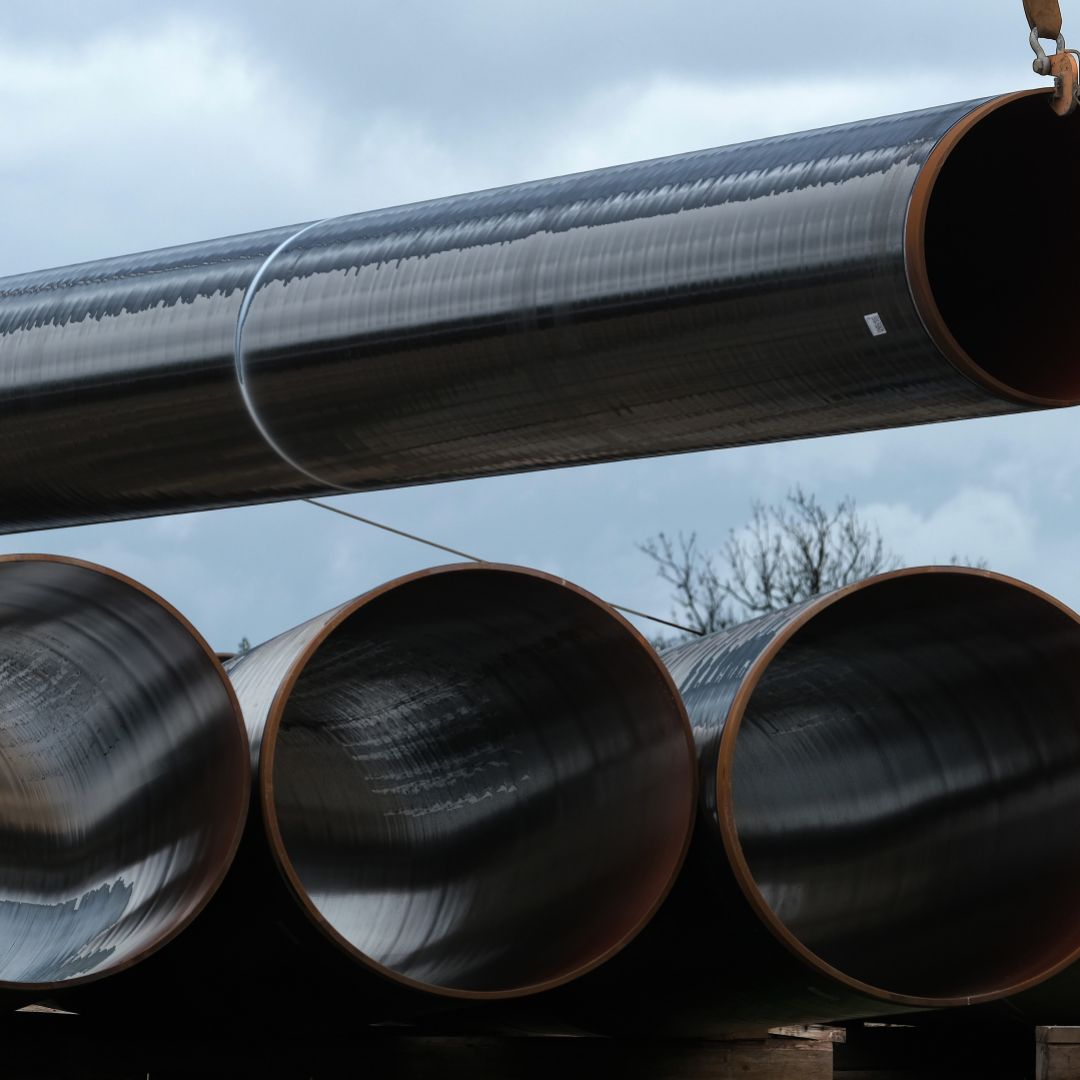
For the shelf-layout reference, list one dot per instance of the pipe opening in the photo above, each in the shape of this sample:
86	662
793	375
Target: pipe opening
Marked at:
483	782
990	245
124	772
906	785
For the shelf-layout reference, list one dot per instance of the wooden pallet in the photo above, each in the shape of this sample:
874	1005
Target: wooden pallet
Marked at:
49	1046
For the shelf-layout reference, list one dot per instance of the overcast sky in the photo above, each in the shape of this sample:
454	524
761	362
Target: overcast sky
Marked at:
129	126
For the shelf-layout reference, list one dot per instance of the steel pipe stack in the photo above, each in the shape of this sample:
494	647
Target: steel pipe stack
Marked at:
476	782
890	785
856	277
123	774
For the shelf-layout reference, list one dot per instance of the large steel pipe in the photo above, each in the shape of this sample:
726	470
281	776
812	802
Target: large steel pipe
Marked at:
871	275
123	774
475	782
890	785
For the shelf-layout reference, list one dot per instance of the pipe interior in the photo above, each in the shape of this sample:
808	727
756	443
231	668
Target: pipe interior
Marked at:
906	785
483	782
1001	228
122	773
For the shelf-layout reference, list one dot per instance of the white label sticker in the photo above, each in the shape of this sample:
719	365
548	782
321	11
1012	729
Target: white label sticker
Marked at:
873	321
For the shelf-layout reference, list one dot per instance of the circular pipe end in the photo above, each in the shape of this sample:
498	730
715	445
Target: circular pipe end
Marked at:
899	783
478	781
992	228
124	774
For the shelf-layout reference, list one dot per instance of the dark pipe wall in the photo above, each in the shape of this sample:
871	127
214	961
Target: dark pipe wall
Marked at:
890	780
123	774
710	299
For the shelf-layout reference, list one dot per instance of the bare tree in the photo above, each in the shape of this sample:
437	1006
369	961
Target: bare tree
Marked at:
967	560
787	552
796	549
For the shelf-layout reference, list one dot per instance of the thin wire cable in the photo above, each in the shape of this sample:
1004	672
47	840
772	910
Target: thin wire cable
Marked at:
391	529
476	558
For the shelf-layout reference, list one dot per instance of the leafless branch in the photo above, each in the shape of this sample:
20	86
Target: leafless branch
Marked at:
697	589
786	553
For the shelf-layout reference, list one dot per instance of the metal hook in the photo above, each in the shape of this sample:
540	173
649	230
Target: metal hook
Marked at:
1041	64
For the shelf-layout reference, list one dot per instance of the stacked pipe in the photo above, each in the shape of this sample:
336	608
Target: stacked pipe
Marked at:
478	783
123	774
890	780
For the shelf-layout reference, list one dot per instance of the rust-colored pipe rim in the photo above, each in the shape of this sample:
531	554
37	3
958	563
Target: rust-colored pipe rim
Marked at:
1029	377
265	784
243	780
727	818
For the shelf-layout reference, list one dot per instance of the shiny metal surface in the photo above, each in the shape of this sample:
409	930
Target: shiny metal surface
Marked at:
123	773
890	782
746	294
478	781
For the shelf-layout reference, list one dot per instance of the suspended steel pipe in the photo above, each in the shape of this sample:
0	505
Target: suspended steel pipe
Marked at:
889	796
475	782
871	275
124	783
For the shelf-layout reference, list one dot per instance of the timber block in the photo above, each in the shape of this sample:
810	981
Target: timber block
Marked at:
1057	1053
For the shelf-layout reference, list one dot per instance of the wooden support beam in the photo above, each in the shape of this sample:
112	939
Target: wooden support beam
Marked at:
818	1032
1057	1053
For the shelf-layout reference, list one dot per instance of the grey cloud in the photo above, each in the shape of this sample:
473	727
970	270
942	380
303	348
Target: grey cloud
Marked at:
465	66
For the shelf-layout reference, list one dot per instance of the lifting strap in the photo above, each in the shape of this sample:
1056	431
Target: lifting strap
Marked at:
1045	17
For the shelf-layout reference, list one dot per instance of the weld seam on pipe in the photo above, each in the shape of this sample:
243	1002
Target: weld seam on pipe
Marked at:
241	374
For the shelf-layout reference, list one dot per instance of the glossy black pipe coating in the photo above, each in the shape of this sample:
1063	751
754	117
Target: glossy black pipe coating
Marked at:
124	782
870	275
890	785
477	781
